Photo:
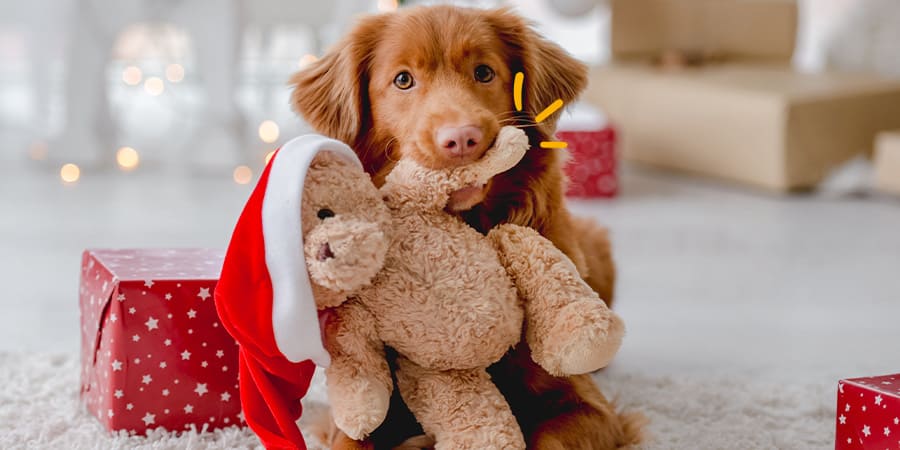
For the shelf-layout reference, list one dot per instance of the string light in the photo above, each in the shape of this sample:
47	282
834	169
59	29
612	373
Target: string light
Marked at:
306	60
268	131
242	174
127	158
175	73
269	156
154	86
132	76
69	173
387	5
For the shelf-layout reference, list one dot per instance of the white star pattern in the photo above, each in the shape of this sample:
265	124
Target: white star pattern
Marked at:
192	314
204	364
135	338
113	318
185	355
149	419
188	408
132	310
866	431
219	353
226	396
201	389
878	399
168	296
162	365
896	420
119	393
116	365
110	414
152	324
847	407
165	392
167	342
203	294
120	297
147	379
887	431
129	406
843	419
149	283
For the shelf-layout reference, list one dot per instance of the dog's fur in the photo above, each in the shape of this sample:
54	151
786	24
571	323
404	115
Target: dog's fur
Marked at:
349	94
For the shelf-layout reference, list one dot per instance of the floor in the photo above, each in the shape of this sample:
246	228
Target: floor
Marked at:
713	279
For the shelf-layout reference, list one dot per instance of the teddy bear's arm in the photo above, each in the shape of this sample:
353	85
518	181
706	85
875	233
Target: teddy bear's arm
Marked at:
412	186
568	327
358	379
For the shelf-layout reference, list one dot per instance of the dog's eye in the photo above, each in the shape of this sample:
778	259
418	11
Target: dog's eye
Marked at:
484	74
404	80
325	213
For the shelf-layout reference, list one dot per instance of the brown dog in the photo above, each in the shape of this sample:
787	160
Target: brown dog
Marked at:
436	83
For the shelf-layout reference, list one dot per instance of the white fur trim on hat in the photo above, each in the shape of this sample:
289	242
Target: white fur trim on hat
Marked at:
295	320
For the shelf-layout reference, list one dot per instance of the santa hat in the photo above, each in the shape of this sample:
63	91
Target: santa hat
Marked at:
264	297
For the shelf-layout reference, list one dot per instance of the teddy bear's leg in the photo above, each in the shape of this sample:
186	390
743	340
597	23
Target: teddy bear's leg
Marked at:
358	379
460	409
569	328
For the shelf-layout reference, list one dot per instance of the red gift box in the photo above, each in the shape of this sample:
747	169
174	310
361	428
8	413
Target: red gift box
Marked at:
868	413
592	166
591	141
153	352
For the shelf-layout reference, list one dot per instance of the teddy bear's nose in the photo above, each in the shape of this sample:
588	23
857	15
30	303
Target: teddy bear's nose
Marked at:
324	252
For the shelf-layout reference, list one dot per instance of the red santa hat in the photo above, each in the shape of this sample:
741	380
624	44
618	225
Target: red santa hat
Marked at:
264	298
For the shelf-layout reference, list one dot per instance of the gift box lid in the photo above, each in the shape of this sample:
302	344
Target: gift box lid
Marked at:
104	271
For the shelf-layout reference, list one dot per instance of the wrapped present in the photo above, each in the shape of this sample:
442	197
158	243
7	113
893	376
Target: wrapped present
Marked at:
868	413
153	352
591	141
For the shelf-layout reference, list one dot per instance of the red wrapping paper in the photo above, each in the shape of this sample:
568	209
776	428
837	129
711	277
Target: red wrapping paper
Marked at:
153	351
592	167
868	413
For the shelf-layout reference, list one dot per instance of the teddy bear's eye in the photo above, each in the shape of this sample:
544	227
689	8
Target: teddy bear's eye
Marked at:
325	213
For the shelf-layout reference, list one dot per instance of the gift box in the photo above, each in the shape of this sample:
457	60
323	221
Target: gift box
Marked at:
887	162
591	142
868	413
711	91
153	352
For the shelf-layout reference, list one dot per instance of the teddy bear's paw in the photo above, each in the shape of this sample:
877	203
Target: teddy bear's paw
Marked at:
585	337
359	408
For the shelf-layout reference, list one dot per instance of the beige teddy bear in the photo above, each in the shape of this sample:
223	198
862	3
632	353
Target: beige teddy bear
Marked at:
393	268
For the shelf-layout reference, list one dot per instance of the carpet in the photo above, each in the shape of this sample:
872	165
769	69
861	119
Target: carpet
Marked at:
39	409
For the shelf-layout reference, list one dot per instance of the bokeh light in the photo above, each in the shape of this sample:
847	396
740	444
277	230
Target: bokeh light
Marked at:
268	131
175	73
242	174
154	86
69	173
132	76
127	158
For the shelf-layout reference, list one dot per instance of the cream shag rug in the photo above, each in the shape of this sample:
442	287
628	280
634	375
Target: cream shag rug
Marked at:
39	409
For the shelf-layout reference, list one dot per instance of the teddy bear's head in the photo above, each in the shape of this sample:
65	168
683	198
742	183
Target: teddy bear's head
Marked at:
346	227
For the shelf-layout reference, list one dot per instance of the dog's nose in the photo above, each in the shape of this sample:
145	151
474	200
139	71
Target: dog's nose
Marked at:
459	141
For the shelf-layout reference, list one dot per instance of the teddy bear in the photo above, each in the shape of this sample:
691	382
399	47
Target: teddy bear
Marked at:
390	267
449	300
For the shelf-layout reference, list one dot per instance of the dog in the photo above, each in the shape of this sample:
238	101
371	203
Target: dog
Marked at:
436	84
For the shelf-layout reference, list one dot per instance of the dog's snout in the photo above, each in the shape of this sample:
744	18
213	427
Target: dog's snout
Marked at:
460	141
324	252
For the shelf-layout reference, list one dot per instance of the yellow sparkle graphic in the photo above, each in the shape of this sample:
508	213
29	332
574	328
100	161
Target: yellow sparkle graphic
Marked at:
518	83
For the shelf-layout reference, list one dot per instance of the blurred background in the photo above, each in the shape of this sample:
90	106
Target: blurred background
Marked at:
144	123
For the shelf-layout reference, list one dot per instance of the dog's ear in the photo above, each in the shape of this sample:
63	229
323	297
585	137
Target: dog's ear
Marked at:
551	73
331	93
